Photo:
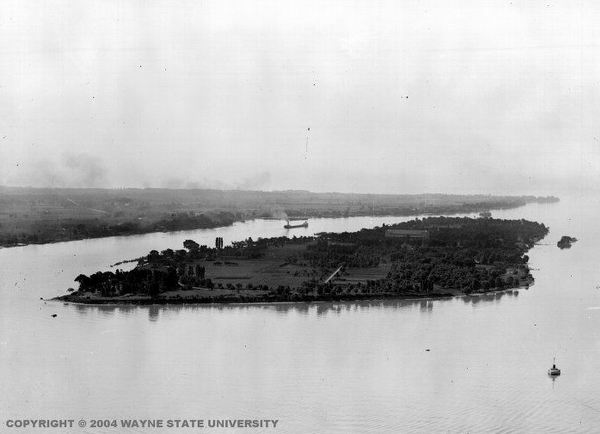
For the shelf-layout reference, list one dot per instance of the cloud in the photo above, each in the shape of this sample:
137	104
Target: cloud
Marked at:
84	170
260	181
485	96
70	170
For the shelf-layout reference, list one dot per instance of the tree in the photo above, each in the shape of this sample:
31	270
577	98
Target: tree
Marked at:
83	281
191	245
171	278
153	256
153	289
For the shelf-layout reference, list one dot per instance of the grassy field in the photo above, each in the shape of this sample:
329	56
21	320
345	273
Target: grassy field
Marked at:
275	269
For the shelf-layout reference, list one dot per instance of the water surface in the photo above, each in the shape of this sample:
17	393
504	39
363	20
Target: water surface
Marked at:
326	367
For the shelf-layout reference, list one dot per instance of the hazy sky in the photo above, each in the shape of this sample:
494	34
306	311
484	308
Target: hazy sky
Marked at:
400	96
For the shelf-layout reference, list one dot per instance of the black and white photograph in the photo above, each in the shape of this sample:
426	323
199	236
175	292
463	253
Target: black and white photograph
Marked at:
289	217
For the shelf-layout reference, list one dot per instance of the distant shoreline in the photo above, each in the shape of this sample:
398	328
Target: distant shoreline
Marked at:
229	224
42	216
131	234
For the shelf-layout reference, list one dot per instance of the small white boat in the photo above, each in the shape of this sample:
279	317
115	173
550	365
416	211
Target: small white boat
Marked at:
554	371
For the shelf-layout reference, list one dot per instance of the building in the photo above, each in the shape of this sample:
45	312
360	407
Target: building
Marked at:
407	234
191	273
445	226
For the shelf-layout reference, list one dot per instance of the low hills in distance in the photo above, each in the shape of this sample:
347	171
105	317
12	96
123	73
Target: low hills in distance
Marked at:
41	215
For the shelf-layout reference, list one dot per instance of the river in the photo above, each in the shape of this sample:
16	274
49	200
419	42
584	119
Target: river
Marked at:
328	367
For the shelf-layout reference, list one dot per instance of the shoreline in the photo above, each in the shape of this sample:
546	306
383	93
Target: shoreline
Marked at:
70	299
232	301
132	234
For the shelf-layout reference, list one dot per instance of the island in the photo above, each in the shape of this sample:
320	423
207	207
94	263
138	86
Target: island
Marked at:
566	241
429	257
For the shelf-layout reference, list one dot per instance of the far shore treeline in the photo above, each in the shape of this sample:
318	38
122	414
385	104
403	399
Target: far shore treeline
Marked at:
427	257
43	215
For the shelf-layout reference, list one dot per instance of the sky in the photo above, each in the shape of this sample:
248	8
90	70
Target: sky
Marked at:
499	97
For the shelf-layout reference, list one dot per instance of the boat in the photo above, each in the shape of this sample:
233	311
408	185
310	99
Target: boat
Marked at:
554	371
301	225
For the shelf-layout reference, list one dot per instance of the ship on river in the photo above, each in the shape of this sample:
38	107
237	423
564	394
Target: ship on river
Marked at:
292	226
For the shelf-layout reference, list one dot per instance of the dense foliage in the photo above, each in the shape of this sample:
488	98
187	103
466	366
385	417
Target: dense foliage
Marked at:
441	253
